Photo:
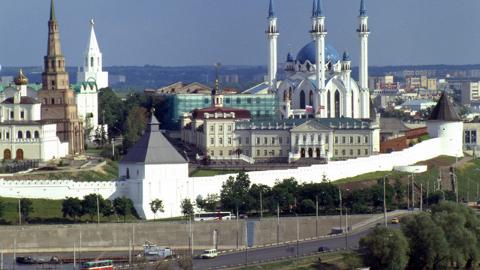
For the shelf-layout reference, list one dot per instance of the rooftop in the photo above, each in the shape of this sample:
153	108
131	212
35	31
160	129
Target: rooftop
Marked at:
444	110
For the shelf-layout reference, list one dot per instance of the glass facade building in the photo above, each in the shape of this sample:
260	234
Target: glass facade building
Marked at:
262	107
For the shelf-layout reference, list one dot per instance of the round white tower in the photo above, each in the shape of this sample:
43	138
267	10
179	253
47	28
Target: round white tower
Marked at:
272	36
445	123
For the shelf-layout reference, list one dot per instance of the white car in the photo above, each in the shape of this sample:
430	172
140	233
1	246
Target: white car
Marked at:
209	254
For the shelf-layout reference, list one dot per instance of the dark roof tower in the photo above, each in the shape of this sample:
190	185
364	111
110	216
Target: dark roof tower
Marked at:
363	8
153	148
444	111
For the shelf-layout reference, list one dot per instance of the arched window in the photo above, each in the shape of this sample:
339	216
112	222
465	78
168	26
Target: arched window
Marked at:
302	100
36	134
20	135
53	101
329	104
7	154
91	61
19	154
337	104
310	98
28	134
128	173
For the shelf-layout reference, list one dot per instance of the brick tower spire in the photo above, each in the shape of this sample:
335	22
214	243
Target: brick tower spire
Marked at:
58	99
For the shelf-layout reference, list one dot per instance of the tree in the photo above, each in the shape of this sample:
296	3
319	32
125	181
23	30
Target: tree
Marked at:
384	248
235	193
187	208
284	193
134	126
428	246
156	206
89	205
72	207
26	208
254	194
123	206
209	204
2	208
111	107
100	137
106	208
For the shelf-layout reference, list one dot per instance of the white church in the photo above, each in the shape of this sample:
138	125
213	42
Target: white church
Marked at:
90	79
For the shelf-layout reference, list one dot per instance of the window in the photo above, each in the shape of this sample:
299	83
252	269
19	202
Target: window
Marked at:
280	152
272	153
227	100
273	141
358	152
258	153
296	139
220	128
128	173
259	113
343	152
366	152
312	138
239	101
36	134
336	139
304	138
229	152
336	152
229	128
280	141
212	141
240	141
265	140
351	139
22	114
366	139
257	100
473	136
229	141
220	141
319	138
288	139
265	153
247	140
28	135
351	152
7	135
11	115
212	128
206	101
326	138
258	140
212	153
467	136
221	153
249	100
20	135
344	140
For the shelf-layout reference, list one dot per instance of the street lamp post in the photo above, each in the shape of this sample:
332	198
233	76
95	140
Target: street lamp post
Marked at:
384	202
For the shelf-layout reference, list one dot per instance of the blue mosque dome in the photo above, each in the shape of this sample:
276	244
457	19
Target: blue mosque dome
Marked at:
308	53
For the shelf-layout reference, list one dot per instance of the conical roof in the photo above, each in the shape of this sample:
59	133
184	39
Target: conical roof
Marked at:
92	47
153	148
444	111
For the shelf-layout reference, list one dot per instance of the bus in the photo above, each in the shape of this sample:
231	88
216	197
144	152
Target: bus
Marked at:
98	265
213	216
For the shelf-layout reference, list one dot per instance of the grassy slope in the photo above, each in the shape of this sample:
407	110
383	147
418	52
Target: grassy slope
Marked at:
205	172
329	261
108	173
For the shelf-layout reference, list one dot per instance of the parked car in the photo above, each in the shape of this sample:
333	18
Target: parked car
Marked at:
395	220
323	249
209	254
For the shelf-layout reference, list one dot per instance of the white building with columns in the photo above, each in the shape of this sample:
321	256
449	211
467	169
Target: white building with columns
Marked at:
318	81
90	79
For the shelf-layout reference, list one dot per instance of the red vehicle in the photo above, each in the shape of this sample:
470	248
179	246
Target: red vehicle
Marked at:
98	265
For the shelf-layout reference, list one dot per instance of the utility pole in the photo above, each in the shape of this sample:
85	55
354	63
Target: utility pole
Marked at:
413	193
74	256
346	228
408	192
19	211
340	206
113	147
421	197
384	202
477	193
316	216
98	210
278	223
298	228
237	228
261	205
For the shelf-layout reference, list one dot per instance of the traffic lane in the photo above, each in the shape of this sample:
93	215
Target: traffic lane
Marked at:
275	253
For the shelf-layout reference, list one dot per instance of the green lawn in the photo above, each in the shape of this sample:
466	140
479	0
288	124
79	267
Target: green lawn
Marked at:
211	172
108	172
370	176
47	212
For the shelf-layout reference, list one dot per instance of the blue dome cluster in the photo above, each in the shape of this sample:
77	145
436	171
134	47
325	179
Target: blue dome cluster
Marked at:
308	53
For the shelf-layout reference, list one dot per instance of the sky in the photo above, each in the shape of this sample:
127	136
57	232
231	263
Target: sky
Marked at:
202	32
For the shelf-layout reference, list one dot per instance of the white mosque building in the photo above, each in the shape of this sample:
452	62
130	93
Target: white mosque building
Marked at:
318	81
90	79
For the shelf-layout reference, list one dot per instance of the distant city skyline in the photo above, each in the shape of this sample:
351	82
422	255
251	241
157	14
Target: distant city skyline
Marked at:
192	32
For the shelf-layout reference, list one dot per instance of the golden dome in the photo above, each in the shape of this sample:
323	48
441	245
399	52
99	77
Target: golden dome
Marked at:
21	79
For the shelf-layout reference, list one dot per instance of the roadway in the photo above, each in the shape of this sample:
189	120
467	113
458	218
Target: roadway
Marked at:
258	255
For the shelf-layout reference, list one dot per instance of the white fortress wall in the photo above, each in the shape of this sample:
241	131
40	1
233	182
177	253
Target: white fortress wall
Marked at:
333	171
59	189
